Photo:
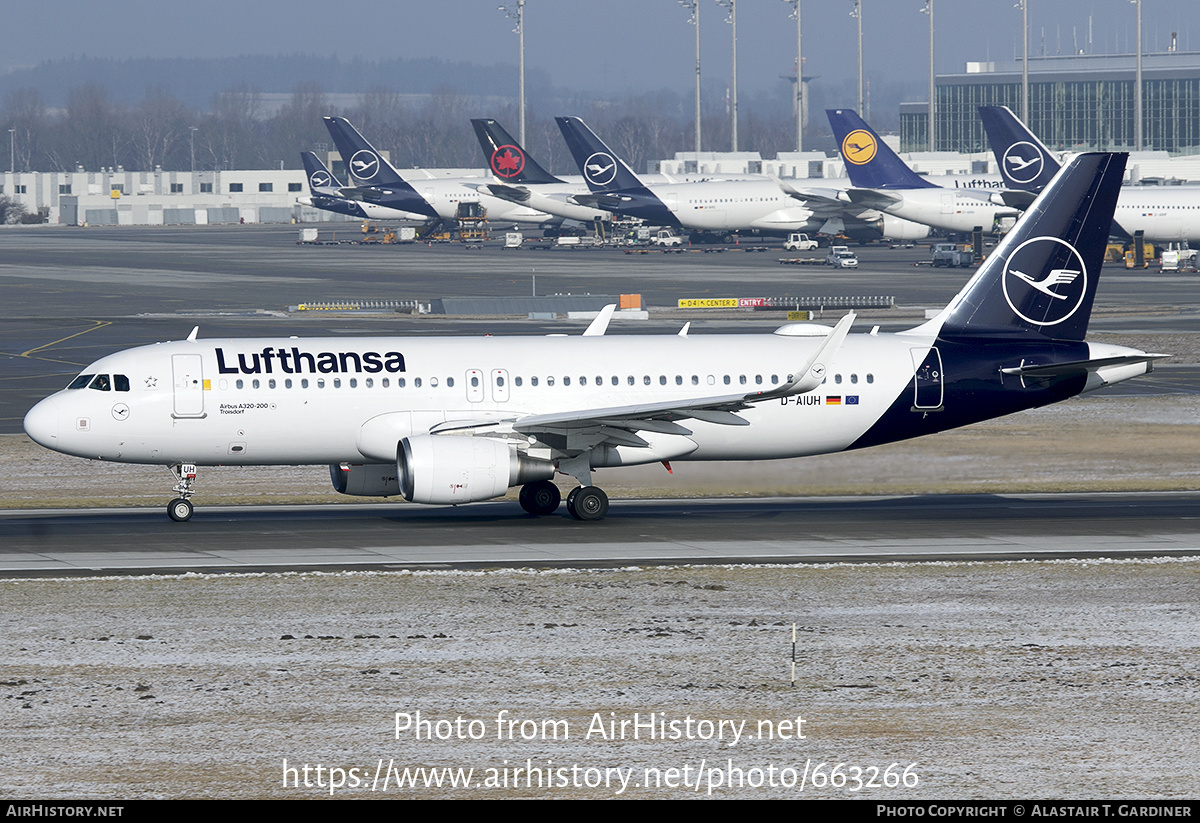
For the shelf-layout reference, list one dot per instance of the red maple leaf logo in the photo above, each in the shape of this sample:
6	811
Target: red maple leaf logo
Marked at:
509	163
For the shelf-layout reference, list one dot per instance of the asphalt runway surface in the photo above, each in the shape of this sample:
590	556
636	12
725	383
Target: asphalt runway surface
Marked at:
777	530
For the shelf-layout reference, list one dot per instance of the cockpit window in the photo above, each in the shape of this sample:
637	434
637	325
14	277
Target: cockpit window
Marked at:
102	382
120	382
81	381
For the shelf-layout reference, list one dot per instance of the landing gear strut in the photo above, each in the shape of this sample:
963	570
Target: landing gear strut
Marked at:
541	497
180	509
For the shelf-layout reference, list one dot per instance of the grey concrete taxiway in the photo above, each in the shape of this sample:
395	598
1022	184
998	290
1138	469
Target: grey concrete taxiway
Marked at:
779	530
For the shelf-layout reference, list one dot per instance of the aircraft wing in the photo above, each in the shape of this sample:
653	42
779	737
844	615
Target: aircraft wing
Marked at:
620	424
822	202
604	202
513	194
872	198
1014	198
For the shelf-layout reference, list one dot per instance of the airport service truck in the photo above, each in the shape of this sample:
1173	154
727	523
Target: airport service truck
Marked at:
666	238
799	242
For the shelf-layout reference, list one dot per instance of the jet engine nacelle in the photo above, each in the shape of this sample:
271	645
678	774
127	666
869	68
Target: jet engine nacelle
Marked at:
896	228
370	480
456	469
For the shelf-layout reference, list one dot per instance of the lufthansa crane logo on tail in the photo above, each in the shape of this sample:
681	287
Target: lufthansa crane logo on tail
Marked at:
859	147
508	161
600	169
1023	162
320	179
364	164
1045	280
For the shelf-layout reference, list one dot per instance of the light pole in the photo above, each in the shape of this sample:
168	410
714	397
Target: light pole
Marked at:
192	142
1137	92
12	150
1023	6
932	99
857	14
693	6
732	20
795	4
519	15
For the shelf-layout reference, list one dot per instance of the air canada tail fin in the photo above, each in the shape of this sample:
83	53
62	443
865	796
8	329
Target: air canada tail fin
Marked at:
320	179
1024	161
1041	280
599	165
507	158
870	163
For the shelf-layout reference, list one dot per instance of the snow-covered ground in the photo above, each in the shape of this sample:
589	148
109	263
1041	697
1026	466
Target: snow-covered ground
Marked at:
983	680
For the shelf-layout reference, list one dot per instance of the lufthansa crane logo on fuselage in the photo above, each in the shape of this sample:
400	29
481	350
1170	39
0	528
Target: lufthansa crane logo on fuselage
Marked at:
1044	285
508	161
859	147
600	169
1023	162
364	164
320	179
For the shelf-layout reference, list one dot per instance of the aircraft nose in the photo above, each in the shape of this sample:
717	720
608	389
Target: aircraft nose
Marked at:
41	424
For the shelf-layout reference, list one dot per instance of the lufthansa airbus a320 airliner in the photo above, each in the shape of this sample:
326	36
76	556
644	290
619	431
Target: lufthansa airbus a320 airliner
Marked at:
461	419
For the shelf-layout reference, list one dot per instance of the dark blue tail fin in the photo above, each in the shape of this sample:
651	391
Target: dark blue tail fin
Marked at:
372	178
320	179
1024	162
365	165
599	165
1041	280
870	163
507	159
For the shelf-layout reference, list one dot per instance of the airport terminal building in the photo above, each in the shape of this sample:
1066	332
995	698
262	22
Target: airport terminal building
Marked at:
1076	102
114	196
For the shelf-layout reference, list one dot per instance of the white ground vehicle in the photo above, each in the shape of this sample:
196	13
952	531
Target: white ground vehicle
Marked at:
799	242
840	257
667	238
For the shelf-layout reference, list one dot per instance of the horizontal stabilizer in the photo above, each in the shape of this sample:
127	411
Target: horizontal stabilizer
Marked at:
1077	367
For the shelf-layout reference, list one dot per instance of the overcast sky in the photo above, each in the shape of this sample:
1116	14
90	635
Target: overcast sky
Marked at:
611	44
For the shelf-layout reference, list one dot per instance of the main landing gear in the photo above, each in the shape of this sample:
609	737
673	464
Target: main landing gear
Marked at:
583	502
587	503
180	509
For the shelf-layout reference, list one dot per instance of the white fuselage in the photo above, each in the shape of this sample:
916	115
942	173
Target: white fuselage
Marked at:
311	401
726	205
446	194
953	210
1166	214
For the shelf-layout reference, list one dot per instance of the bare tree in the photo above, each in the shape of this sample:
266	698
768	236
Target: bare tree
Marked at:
158	124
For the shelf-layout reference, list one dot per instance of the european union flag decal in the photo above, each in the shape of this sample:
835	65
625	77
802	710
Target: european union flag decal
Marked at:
852	400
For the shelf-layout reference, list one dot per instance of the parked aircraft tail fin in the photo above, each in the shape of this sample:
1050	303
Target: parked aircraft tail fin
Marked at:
1024	161
870	163
599	165
507	158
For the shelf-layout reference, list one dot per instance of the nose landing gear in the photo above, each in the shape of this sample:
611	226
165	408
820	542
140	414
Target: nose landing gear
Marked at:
180	509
